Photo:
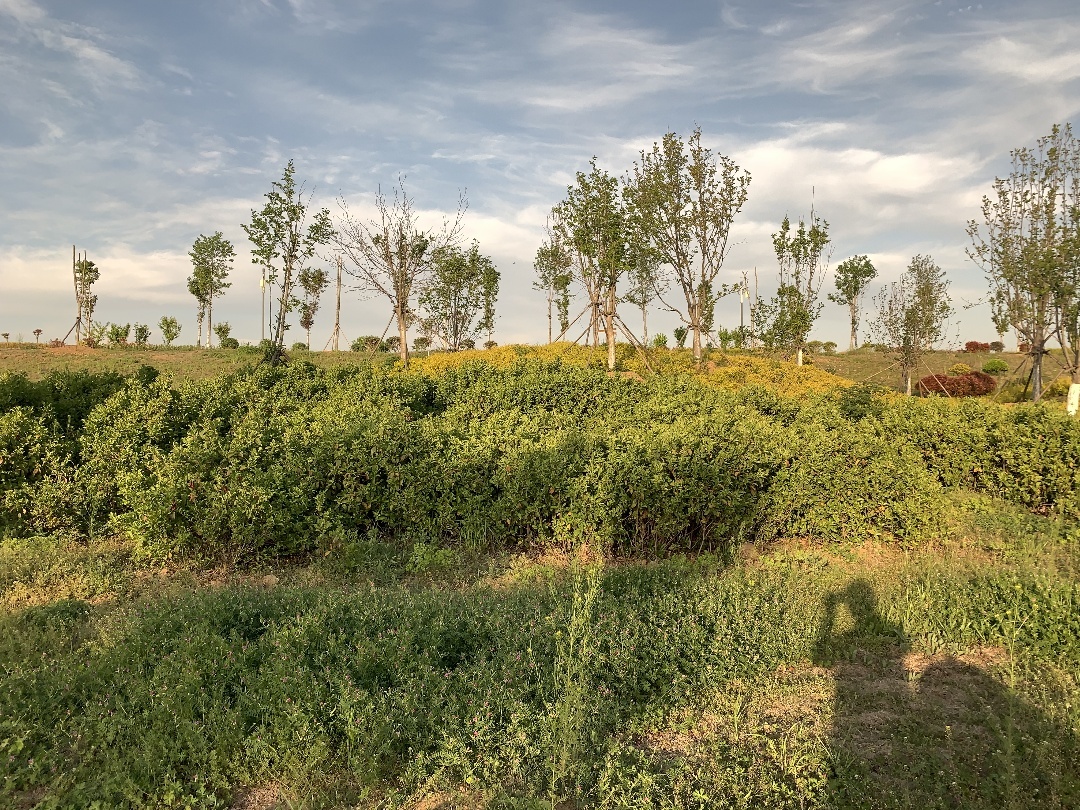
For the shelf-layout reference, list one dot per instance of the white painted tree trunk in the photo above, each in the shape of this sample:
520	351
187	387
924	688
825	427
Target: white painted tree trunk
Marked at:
1073	403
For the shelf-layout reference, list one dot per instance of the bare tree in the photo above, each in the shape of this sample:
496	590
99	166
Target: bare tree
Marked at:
391	255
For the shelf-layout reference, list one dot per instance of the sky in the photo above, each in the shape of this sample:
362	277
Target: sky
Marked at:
129	128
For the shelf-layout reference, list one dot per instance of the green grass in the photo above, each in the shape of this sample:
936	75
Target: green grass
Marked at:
180	362
387	676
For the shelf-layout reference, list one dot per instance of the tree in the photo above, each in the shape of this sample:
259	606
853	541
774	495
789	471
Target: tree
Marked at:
463	286
169	328
851	277
552	265
683	200
223	330
313	282
645	283
392	256
211	261
592	222
37	335
1063	156
786	320
489	294
1024	246
285	241
142	335
86	275
119	334
912	313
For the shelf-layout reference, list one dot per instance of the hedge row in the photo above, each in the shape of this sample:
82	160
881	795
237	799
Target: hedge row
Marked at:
286	460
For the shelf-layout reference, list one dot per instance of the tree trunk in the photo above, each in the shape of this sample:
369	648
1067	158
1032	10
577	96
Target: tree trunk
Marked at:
1038	350
694	311
551	295
402	328
854	342
799	356
1072	404
645	326
595	320
279	327
907	381
201	318
609	328
309	339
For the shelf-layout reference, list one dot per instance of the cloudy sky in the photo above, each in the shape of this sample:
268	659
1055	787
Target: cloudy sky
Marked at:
128	128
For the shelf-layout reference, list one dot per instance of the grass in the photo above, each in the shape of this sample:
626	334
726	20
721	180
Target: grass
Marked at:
385	676
189	363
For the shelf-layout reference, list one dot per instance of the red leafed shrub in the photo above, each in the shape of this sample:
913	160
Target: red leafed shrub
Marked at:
976	346
975	384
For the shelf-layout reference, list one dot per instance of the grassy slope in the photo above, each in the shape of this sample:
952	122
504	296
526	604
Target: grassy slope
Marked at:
860	676
187	363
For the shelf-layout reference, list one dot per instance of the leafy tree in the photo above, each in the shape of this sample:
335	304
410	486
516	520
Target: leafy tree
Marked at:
211	261
169	328
458	300
118	334
223	330
645	282
490	287
142	334
911	314
592	222
392	256
683	200
422	343
552	265
86	275
1027	247
285	241
851	277
37	335
313	282
786	319
680	336
5	335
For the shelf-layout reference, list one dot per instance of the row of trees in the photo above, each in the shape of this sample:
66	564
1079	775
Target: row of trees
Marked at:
661	234
665	225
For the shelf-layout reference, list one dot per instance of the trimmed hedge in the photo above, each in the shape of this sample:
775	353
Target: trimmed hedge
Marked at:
292	459
971	384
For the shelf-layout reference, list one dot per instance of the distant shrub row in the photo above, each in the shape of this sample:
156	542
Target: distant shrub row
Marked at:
291	459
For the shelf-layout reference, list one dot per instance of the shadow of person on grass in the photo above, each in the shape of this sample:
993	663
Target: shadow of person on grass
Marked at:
921	731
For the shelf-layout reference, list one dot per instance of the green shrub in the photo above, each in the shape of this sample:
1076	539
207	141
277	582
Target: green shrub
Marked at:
959	369
995	366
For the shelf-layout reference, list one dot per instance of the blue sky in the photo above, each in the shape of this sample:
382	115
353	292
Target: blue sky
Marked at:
130	127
